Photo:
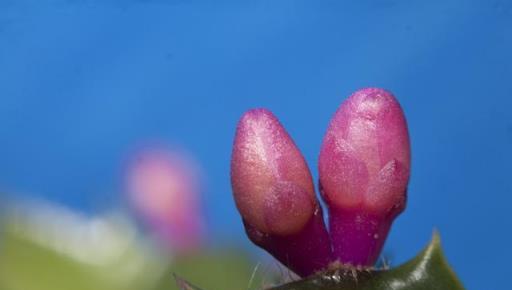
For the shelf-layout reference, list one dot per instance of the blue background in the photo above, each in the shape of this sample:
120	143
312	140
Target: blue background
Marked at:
81	82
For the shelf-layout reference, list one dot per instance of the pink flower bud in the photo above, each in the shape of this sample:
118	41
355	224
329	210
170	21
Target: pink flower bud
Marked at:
275	196
364	170
163	187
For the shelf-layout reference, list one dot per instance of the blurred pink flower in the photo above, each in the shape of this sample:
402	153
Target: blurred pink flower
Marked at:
163	187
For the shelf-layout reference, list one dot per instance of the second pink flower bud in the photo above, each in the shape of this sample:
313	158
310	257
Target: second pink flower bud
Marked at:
364	170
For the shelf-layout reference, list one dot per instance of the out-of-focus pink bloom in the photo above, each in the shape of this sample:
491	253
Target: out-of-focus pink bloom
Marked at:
364	170
274	193
164	188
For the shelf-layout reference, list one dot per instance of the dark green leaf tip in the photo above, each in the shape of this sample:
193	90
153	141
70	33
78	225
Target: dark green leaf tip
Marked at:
429	270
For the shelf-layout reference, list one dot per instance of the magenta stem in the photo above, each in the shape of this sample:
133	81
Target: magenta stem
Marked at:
305	252
357	238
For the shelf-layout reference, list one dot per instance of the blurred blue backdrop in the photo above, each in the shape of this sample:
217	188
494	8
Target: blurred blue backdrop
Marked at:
83	81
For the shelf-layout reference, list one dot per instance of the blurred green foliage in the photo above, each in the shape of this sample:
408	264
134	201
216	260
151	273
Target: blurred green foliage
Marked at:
28	264
220	269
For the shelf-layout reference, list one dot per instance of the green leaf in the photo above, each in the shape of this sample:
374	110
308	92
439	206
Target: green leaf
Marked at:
429	270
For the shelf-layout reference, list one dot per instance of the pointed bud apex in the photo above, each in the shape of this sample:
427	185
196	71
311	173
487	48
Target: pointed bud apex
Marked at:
274	193
364	170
